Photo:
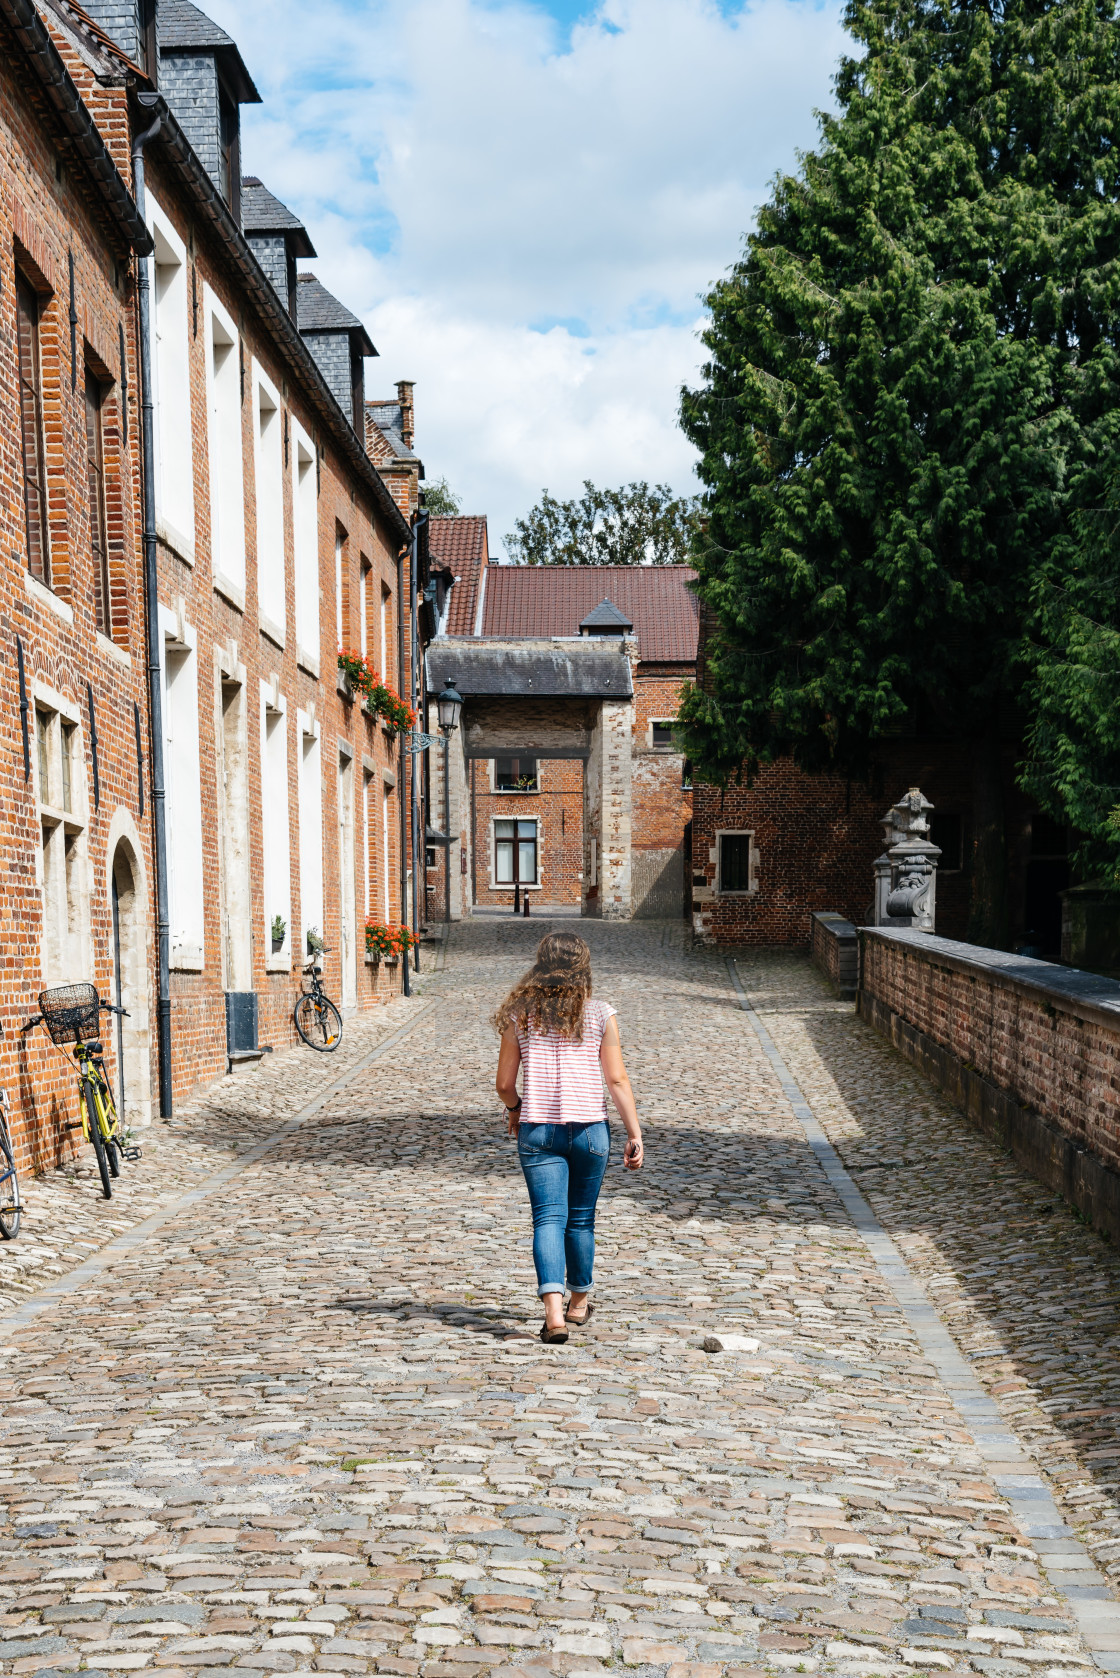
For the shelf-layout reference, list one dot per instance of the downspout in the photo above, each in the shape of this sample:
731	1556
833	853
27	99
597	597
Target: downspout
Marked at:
403	767
151	613
419	697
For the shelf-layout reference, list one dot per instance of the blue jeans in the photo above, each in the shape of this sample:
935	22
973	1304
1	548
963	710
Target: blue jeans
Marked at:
564	1167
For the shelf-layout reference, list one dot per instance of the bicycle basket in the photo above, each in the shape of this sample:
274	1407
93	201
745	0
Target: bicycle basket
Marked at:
70	1012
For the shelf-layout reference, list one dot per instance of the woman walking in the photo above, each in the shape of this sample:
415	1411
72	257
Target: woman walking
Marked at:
566	1045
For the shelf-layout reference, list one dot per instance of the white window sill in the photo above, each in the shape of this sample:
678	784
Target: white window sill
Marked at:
277	962
308	661
507	885
47	597
173	538
229	590
272	630
753	892
121	656
186	958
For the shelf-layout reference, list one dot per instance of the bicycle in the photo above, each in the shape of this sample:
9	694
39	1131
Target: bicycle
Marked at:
11	1206
72	1014
315	1016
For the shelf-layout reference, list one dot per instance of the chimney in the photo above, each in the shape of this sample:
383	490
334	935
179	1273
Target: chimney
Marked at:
404	397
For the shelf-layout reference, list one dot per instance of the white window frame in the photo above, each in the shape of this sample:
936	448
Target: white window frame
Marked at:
268	466
310	794
507	885
656	745
305	546
747	833
183	780
62	854
226	450
340	539
276	825
386	636
171	386
387	896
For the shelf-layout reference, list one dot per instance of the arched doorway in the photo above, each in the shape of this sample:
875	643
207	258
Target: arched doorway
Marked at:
130	1037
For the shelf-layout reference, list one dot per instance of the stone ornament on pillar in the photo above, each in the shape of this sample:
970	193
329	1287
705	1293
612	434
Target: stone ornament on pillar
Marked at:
909	896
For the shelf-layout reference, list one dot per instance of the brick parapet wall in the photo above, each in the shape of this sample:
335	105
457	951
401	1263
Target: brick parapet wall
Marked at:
1030	1050
834	947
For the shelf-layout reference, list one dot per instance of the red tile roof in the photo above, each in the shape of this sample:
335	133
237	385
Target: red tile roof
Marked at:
550	600
460	544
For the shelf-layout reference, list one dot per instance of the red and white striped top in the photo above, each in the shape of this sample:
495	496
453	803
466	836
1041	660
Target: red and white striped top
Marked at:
562	1081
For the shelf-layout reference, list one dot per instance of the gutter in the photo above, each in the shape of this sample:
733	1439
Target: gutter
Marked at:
78	127
151	613
194	180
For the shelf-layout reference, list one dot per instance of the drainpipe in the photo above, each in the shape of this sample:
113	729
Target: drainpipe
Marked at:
403	766
151	611
419	704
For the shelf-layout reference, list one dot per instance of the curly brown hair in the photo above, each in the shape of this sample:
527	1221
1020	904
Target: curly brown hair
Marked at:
553	994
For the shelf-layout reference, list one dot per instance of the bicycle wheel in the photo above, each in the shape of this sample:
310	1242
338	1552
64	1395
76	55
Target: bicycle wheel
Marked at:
318	1022
9	1189
90	1103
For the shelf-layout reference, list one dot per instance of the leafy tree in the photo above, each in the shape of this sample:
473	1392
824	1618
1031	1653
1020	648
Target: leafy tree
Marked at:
440	500
634	525
1073	766
912	369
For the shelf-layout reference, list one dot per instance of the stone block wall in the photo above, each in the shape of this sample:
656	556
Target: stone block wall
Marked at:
1029	1049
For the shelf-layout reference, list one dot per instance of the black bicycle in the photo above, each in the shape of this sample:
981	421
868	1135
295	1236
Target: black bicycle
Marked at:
72	1014
10	1204
316	1018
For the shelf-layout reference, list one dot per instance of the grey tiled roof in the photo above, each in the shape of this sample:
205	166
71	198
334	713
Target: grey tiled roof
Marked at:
183	26
387	418
263	213
318	311
606	615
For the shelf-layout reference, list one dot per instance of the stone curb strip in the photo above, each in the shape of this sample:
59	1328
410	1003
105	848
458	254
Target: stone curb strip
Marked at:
10	1321
1066	1561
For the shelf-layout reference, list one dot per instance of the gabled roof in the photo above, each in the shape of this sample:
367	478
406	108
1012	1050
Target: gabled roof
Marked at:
183	28
606	615
553	600
318	311
461	545
262	213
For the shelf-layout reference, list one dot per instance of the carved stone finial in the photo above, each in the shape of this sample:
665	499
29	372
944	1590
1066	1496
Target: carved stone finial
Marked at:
906	874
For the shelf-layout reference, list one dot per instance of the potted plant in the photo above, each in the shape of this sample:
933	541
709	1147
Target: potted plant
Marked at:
279	933
315	941
385	941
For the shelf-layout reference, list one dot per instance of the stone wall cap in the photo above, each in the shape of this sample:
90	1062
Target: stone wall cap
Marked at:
508	669
839	925
1088	996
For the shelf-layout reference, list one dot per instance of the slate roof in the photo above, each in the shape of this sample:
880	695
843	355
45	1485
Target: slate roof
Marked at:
540	670
606	615
460	544
262	213
318	311
183	28
387	418
552	600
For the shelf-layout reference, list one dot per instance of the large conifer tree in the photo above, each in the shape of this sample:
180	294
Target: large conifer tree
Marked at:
913	373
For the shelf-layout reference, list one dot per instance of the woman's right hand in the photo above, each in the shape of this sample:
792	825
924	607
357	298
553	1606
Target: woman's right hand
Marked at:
633	1154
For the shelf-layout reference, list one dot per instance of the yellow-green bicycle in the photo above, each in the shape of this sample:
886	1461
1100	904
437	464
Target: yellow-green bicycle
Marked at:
72	1014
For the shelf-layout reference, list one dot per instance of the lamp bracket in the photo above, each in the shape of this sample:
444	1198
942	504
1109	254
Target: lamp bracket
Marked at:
417	742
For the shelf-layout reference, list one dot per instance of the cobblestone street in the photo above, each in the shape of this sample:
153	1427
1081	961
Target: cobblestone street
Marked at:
292	1414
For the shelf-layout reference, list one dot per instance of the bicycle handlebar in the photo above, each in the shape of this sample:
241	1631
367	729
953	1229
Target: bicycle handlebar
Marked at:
111	1008
29	1025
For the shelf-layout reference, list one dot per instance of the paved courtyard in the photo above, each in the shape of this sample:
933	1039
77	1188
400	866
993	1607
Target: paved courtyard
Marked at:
289	1412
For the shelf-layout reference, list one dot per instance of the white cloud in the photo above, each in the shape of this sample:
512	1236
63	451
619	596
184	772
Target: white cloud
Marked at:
525	222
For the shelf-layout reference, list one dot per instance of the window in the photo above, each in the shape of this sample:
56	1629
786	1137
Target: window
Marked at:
227	481
174	455
363	604
147	47
310	829
515	853
385	854
686	775
946	831
515	774
31	424
738	862
229	148
274	822
98	523
386	633
661	734
340	585
65	954
184	793
367	838
269	456
305	511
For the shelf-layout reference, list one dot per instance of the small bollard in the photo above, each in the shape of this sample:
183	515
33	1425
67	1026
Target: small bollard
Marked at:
525	911
517	899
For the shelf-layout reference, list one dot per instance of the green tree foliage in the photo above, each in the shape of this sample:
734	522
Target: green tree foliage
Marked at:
634	525
913	369
1074	738
440	499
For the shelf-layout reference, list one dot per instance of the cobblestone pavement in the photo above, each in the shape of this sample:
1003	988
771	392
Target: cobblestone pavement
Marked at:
305	1425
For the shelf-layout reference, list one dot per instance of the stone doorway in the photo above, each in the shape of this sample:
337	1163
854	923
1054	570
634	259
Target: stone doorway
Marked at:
130	1038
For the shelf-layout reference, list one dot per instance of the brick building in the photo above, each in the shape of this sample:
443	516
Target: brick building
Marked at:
275	542
575	672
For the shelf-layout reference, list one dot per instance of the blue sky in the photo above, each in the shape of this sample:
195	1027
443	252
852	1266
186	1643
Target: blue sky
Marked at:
525	199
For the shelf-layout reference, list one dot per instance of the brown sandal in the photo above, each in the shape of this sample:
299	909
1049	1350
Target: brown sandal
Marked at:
578	1322
553	1336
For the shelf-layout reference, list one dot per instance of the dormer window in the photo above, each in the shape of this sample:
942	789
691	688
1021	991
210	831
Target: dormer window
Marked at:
229	146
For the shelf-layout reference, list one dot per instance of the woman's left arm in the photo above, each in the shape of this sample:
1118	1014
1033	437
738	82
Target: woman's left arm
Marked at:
509	1061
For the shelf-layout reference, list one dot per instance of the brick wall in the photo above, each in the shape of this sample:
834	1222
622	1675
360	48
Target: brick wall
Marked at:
834	946
1029	1049
661	805
557	808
